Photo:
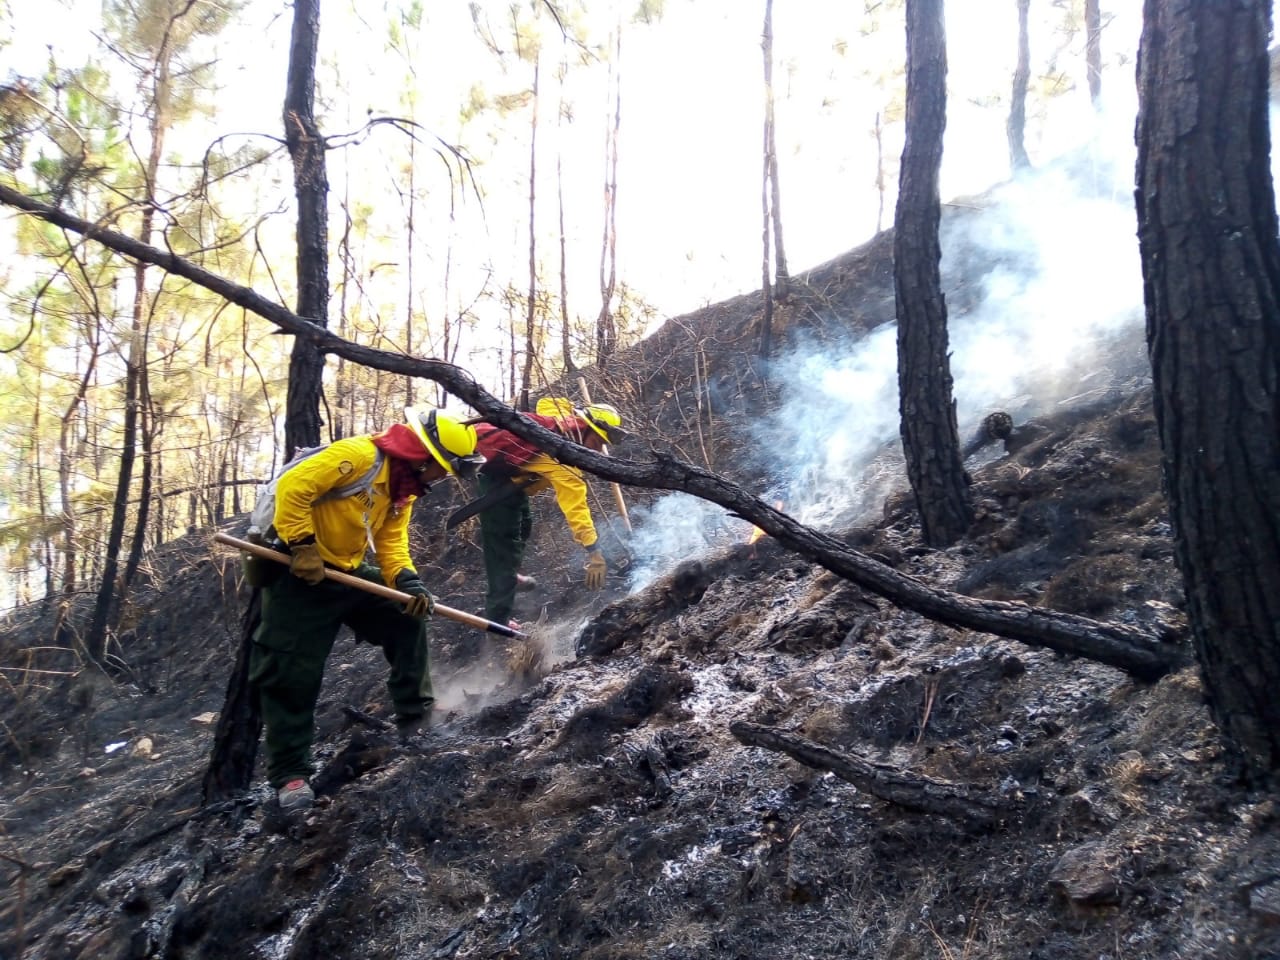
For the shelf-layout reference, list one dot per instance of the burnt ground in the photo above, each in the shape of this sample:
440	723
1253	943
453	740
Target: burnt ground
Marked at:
599	806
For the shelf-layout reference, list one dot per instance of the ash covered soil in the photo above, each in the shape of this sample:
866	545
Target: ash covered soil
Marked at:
606	810
611	804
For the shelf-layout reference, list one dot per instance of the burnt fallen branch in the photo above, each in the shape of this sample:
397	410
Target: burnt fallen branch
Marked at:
1133	650
366	719
890	784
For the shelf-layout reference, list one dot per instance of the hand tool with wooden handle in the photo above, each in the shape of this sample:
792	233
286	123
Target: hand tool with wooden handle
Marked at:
378	589
617	489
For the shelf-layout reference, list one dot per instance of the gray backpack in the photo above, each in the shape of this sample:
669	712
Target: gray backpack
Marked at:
264	507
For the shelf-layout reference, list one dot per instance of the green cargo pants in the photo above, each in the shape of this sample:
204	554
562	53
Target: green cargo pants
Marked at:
292	643
505	529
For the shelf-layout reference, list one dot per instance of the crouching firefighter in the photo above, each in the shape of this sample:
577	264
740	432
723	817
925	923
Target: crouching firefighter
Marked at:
322	525
513	470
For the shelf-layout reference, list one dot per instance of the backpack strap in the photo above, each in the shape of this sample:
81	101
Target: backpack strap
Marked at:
356	486
264	508
362	485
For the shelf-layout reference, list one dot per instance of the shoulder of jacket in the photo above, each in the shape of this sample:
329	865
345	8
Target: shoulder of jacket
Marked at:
361	451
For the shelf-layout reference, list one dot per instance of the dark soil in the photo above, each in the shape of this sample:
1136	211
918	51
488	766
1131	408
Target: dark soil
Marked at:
598	806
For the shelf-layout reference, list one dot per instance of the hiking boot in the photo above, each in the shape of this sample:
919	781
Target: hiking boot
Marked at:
525	583
409	727
295	796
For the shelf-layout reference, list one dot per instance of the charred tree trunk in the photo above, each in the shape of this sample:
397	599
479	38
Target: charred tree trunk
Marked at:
766	287
239	723
235	740
930	439
1017	125
66	429
147	433
409	243
606	326
1093	50
42	504
912	791
104	604
881	180
565	342
1211	271
531	316
311	187
782	281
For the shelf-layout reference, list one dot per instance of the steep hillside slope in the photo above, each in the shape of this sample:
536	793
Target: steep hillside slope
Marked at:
758	760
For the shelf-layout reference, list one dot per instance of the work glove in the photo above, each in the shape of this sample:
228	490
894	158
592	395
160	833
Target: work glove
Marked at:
596	568
306	563
420	603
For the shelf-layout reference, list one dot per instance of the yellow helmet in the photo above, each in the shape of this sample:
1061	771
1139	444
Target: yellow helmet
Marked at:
452	444
558	407
604	419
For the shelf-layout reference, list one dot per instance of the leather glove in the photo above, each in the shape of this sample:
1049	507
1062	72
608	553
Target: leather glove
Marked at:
596	568
306	563
420	603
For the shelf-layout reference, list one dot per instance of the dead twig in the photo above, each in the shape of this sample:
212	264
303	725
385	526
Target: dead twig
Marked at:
930	695
367	719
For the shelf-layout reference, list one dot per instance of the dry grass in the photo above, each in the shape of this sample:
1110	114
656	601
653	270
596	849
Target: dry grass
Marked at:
1126	775
528	660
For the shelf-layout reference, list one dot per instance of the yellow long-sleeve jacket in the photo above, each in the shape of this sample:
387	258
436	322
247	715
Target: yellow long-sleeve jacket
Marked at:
571	494
346	527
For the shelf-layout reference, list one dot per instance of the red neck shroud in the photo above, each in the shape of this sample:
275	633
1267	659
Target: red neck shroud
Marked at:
406	452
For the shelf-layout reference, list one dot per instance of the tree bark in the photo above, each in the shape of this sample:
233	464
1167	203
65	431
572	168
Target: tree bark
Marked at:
1017	125
782	280
409	243
139	541
913	791
531	315
311	187
930	439
565	343
1127	648
1207	230
881	179
239	722
235	739
1093	50
65	430
766	285
606	326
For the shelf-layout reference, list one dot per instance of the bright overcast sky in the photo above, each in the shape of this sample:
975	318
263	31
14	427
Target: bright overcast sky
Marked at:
689	218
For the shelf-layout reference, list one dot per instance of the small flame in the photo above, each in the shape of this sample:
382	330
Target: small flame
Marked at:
756	532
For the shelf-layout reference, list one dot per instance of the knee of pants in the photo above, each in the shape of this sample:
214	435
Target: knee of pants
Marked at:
278	670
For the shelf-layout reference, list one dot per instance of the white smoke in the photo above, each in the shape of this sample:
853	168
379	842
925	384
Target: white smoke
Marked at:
1068	286
1057	318
675	528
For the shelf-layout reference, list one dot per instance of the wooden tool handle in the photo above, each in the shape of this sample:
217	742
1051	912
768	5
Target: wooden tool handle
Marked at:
617	489
378	589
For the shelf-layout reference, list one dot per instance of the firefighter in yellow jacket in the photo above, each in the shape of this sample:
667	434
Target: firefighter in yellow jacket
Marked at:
302	612
513	470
